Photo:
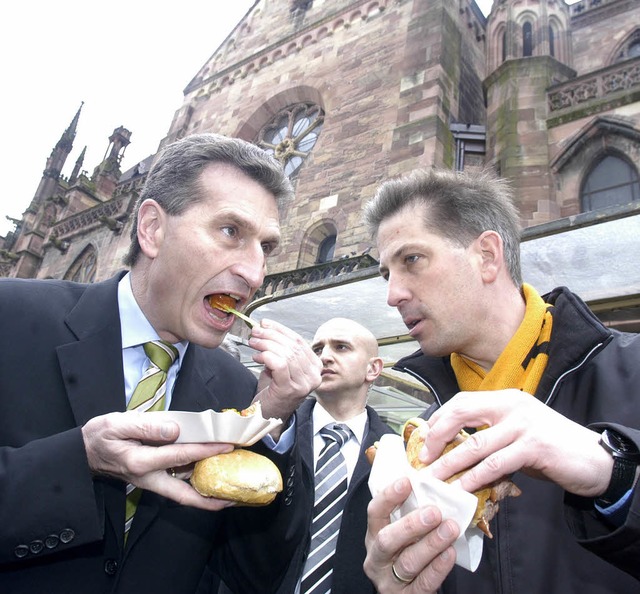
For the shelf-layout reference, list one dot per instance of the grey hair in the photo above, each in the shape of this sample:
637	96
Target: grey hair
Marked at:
174	180
458	206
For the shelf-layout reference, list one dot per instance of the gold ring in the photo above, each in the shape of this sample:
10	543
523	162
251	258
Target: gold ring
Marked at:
399	577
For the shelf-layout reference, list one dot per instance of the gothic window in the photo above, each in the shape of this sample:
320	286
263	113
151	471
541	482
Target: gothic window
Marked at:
319	244
552	42
611	182
326	249
630	47
83	269
292	134
504	45
527	39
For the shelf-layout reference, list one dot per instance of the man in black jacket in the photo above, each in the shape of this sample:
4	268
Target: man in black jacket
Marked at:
554	392
350	365
72	355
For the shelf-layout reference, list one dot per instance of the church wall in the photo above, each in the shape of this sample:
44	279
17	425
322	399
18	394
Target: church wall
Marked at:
603	27
388	78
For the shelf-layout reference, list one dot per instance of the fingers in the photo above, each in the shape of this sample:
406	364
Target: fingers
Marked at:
182	492
130	446
418	546
292	370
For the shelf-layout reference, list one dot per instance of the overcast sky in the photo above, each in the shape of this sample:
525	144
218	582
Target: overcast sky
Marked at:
129	61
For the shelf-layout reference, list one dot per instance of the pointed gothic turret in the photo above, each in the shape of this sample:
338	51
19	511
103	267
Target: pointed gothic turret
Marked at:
77	167
55	163
106	175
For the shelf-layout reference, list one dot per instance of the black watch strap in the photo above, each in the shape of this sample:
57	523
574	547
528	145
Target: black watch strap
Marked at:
625	462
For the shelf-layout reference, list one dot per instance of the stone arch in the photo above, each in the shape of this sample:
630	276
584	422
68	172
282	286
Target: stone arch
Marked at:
84	267
628	48
250	128
313	240
498	48
601	137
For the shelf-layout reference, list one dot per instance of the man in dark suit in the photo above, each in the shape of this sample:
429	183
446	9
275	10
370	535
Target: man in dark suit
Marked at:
350	365
71	358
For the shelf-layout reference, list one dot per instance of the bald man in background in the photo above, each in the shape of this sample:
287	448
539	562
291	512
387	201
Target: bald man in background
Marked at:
350	365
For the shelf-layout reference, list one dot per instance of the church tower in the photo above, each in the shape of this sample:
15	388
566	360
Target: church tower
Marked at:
528	50
42	212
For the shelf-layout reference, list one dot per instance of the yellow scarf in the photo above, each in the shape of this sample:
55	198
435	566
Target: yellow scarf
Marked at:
522	362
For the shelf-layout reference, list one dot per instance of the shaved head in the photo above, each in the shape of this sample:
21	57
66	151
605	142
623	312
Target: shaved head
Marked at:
344	327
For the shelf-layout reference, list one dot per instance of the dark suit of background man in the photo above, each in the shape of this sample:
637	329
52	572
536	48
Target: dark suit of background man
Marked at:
350	365
71	356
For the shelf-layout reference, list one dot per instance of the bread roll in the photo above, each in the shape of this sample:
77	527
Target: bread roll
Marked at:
241	475
488	497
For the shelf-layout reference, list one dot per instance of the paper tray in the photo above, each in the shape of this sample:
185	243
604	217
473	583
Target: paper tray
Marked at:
222	427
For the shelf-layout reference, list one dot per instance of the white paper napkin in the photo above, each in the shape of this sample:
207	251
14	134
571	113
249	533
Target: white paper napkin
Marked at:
222	427
391	464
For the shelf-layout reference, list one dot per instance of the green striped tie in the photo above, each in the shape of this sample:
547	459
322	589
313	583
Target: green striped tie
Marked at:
149	396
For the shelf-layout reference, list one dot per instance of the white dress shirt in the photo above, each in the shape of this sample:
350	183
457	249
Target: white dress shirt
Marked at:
351	449
136	330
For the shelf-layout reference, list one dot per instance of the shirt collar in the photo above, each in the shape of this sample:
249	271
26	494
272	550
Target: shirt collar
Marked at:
134	326
357	424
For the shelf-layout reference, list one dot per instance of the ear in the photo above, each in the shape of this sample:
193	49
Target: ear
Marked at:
151	222
491	255
374	369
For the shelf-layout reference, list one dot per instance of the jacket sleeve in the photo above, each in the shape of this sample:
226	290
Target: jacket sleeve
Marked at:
48	502
619	546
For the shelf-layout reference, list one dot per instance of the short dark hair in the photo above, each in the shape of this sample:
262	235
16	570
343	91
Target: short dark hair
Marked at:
458	206
174	179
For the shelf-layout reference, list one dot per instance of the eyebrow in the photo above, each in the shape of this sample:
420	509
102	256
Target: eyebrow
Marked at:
332	341
249	225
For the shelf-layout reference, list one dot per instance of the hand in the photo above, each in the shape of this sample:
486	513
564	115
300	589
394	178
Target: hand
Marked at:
418	545
292	370
137	449
522	434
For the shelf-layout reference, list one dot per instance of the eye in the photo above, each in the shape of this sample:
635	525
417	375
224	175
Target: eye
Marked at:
411	259
317	351
230	231
268	248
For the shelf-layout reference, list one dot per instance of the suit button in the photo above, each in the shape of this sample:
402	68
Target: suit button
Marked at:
67	535
36	546
292	471
21	551
52	541
291	481
288	500
110	566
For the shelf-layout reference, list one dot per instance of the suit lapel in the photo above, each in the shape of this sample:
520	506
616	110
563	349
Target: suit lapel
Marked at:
92	372
95	359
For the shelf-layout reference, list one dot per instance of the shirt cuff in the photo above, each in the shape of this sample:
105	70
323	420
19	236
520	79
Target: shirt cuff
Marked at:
286	441
617	512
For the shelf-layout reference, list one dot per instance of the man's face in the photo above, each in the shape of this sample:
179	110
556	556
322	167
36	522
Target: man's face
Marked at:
346	356
218	245
432	281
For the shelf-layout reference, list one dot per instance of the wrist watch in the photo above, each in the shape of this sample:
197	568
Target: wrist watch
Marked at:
626	459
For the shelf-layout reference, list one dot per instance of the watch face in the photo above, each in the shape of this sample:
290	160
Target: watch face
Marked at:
620	445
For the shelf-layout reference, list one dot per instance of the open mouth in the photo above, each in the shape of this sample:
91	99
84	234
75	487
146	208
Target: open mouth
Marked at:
222	305
222	302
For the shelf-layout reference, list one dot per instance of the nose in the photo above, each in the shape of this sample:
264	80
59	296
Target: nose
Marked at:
326	355
397	292
251	266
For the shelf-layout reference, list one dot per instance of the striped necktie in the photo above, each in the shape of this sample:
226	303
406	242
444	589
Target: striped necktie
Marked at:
149	396
330	494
